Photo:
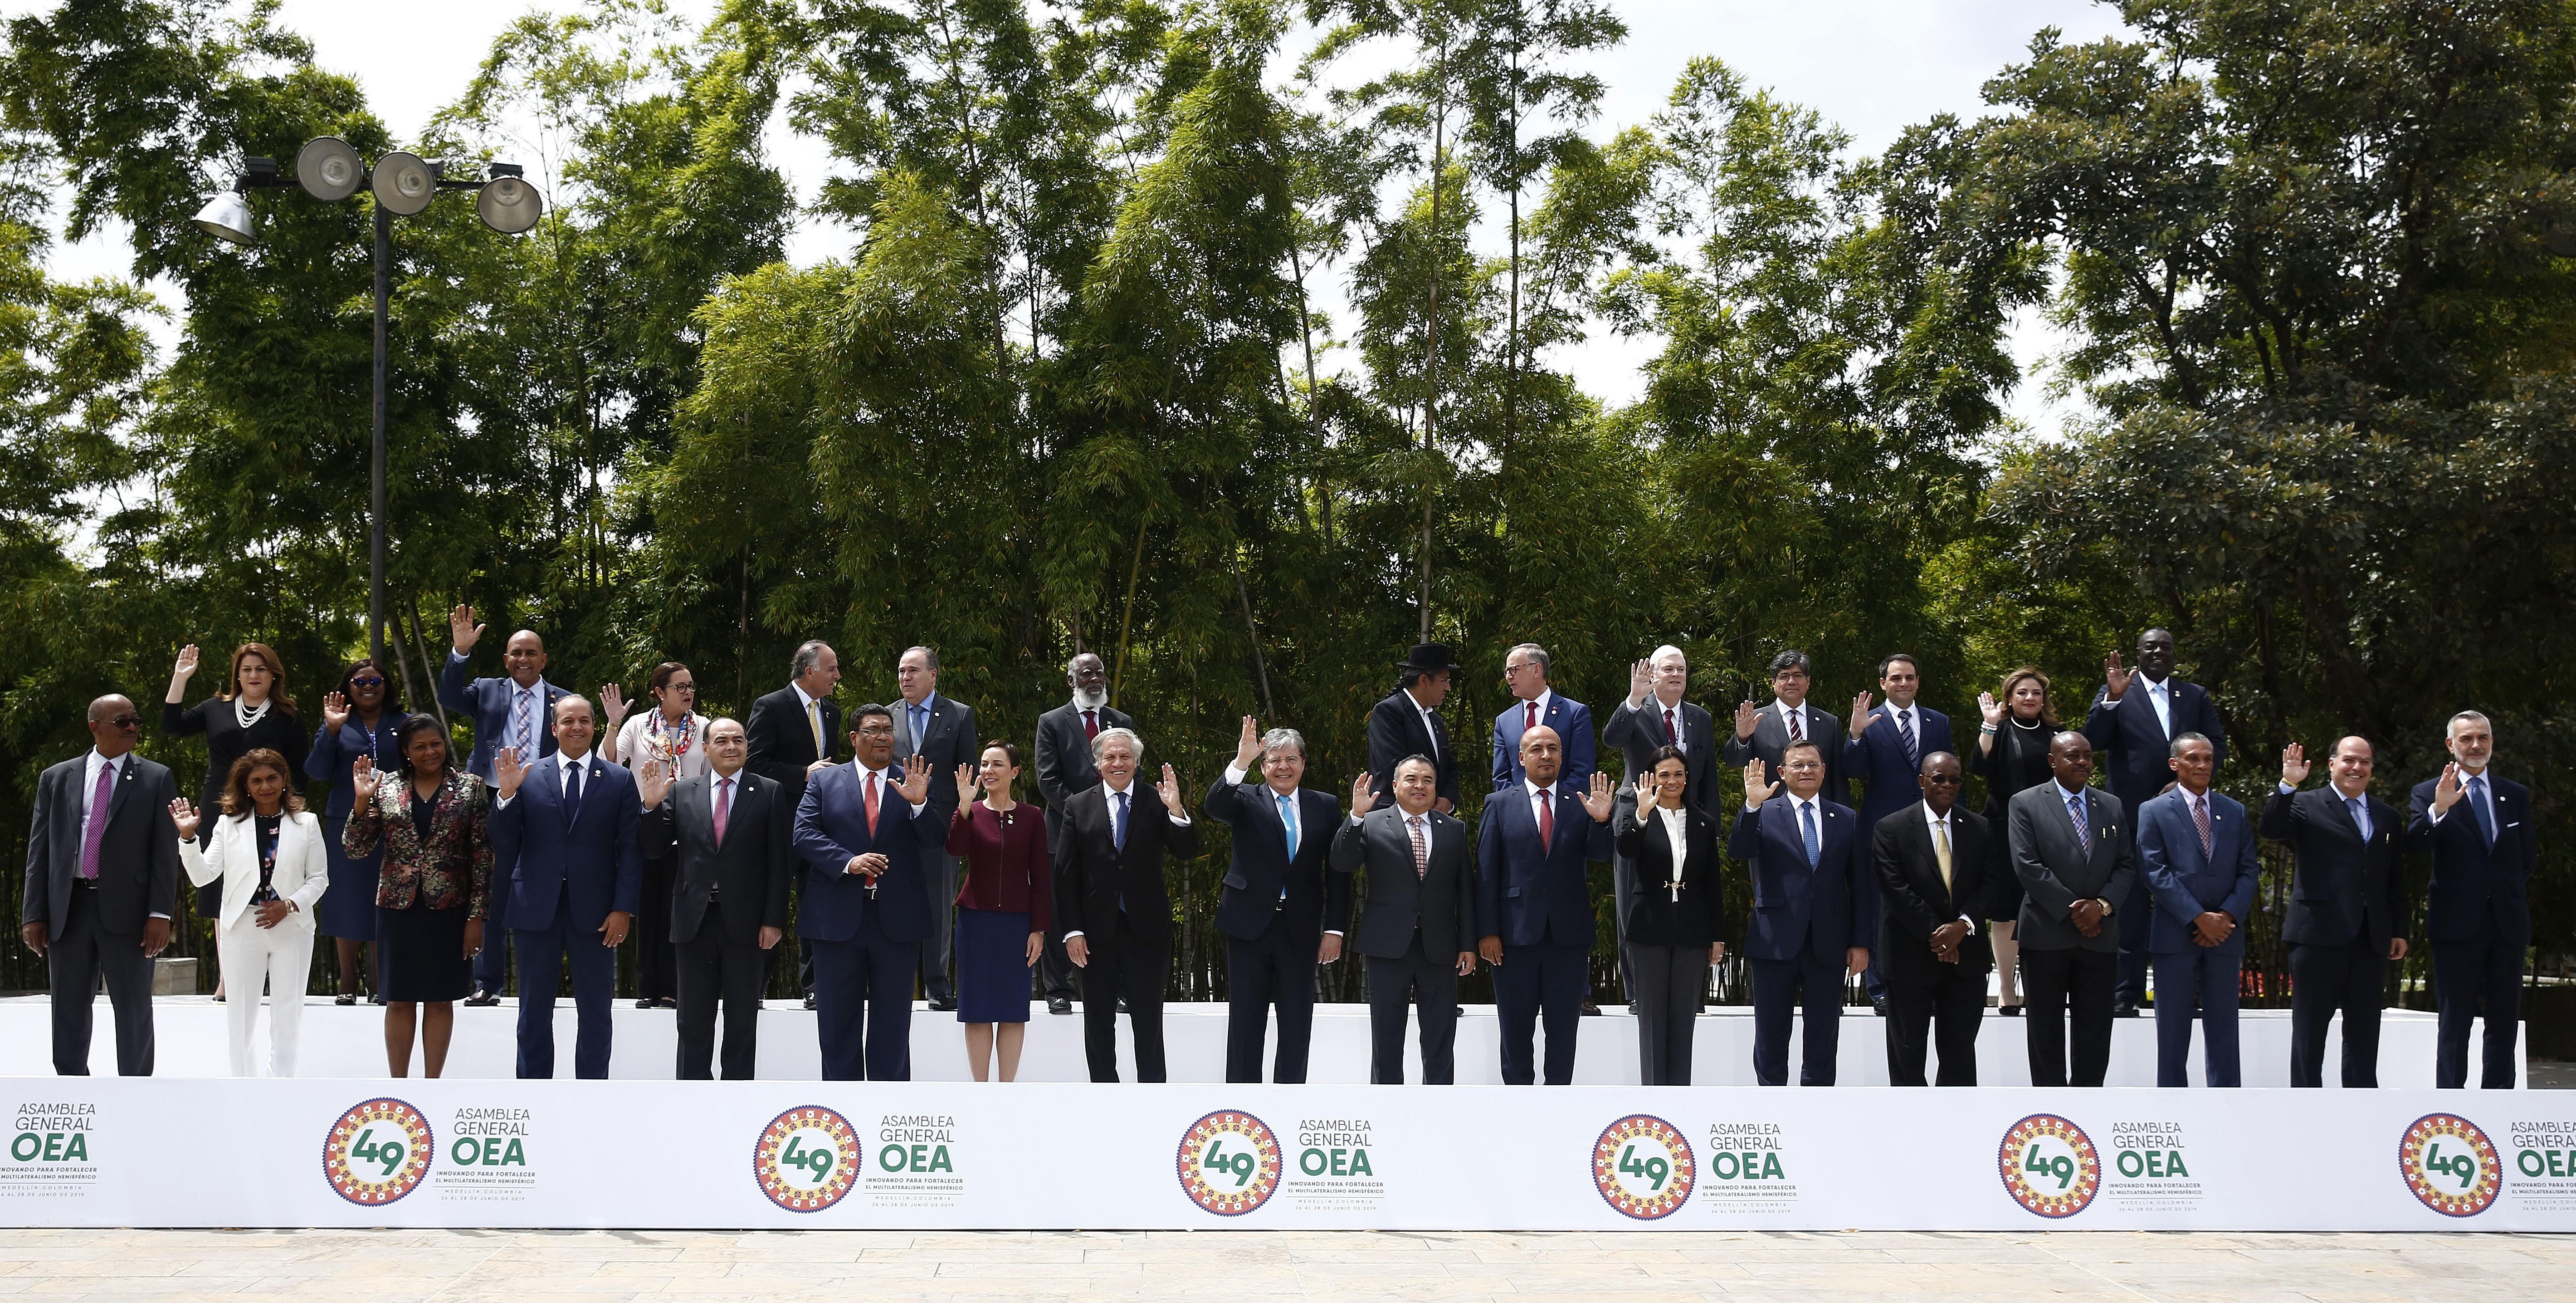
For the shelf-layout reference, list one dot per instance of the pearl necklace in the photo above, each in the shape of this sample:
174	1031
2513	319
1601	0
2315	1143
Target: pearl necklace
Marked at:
247	717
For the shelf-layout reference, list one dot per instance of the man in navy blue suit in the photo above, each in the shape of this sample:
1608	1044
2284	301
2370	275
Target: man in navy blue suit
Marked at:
2477	904
2132	725
2196	851
1885	752
516	711
1809	862
1283	908
563	838
1535	704
1534	903
866	830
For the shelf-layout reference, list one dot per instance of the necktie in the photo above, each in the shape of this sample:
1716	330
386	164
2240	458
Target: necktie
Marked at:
918	718
2478	802
2360	815
1529	716
572	794
1432	733
2200	820
1118	822
872	803
1905	734
1797	725
724	806
1807	829
1421	847
1288	820
522	723
814	722
1669	735
1090	725
1941	848
1547	820
99	799
2083	834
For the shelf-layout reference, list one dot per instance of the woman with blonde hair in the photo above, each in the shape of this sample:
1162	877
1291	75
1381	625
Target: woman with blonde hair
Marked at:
265	859
2012	756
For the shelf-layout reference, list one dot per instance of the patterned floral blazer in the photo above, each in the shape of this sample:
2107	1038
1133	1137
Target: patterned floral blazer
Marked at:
453	868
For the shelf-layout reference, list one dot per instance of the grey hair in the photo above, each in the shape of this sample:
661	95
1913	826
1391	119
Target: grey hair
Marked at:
1658	654
2183	739
1283	737
929	656
1101	740
807	654
1535	652
2453	726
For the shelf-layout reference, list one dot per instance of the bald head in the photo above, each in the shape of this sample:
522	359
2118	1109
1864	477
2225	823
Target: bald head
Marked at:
525	658
1542	755
114	725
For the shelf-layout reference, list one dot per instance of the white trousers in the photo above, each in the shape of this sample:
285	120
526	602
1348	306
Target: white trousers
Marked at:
283	956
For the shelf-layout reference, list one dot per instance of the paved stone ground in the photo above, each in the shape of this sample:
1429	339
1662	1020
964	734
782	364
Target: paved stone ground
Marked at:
584	1266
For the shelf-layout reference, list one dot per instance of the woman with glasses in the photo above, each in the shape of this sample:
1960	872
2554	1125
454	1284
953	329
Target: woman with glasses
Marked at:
358	719
264	858
431	820
674	733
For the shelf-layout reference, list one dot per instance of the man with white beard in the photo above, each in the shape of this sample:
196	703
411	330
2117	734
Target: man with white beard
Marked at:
1065	767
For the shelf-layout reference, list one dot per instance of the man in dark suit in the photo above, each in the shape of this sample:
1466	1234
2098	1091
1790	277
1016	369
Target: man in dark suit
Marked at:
1652	717
1283	906
1534	705
1764	732
1534	903
2196	851
1931	860
1421	913
516	711
1407	723
1110	900
102	882
729	830
2132	725
792	733
1885	752
2074	860
2477	907
940	730
866	831
1064	768
2347	917
1809	866
563	839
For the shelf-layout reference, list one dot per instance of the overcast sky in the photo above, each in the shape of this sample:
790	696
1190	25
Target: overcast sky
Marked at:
1871	66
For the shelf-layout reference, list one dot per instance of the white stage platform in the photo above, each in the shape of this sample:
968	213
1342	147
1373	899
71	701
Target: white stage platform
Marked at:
349	1043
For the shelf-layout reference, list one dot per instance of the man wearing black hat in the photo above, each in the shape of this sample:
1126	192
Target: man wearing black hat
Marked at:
1408	723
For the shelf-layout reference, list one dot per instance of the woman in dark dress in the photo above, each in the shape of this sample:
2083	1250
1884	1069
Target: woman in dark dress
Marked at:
359	719
2012	756
430	818
1002	906
252	710
1672	915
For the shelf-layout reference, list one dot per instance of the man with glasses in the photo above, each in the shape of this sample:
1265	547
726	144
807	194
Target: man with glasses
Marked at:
1809	864
516	711
1764	733
1537	705
102	882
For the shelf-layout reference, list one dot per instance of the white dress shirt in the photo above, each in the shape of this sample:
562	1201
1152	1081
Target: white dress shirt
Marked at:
90	766
1947	825
2160	696
1676	828
564	764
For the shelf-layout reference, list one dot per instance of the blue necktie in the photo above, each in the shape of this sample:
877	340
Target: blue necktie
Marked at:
2083	830
572	794
2478	802
2360	815
1118	822
1905	734
1288	820
1807	827
920	724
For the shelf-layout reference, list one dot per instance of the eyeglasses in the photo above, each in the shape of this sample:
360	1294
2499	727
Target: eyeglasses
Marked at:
877	730
124	721
367	683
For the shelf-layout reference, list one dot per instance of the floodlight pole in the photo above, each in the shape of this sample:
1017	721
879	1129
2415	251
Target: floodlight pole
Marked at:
376	487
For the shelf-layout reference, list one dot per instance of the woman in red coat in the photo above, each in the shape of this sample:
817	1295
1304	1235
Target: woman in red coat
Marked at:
1002	916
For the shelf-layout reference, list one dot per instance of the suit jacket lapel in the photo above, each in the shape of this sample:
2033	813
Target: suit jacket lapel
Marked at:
124	767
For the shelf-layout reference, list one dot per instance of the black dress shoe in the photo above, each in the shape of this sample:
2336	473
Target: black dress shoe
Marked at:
377	997
645	1003
943	1004
1591	1010
1059	1004
482	999
1635	1011
346	998
1878	1005
2009	1011
809	1003
2124	1009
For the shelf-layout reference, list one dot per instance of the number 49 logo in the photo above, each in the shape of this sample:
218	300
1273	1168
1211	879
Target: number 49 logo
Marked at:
2450	1165
2049	1165
1642	1165
1229	1162
806	1159
377	1152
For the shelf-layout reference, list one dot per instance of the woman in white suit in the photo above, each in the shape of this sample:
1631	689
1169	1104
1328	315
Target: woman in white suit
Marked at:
268	852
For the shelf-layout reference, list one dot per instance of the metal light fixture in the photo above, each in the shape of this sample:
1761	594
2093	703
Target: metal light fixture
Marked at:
227	217
507	203
404	183
329	169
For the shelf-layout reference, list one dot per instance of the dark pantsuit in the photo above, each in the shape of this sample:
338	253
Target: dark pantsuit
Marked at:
1945	1007
713	970
863	1004
1537	984
2477	978
1667	984
1271	969
1123	967
656	970
2199	984
1811	984
74	963
2350	979
2063	989
542	958
1424	981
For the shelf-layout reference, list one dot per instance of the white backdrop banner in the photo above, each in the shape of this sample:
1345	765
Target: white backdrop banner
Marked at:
744	1155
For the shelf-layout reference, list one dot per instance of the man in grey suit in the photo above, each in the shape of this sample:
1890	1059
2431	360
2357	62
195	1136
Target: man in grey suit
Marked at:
1420	916
2073	858
1065	769
1652	717
940	730
1763	732
102	883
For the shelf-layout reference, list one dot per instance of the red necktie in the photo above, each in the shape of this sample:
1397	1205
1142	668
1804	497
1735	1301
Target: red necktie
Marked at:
1797	729
872	804
1529	717
1091	724
724	806
1668	724
1547	821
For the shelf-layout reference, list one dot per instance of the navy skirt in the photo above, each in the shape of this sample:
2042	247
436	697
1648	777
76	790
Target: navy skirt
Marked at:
348	906
992	965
